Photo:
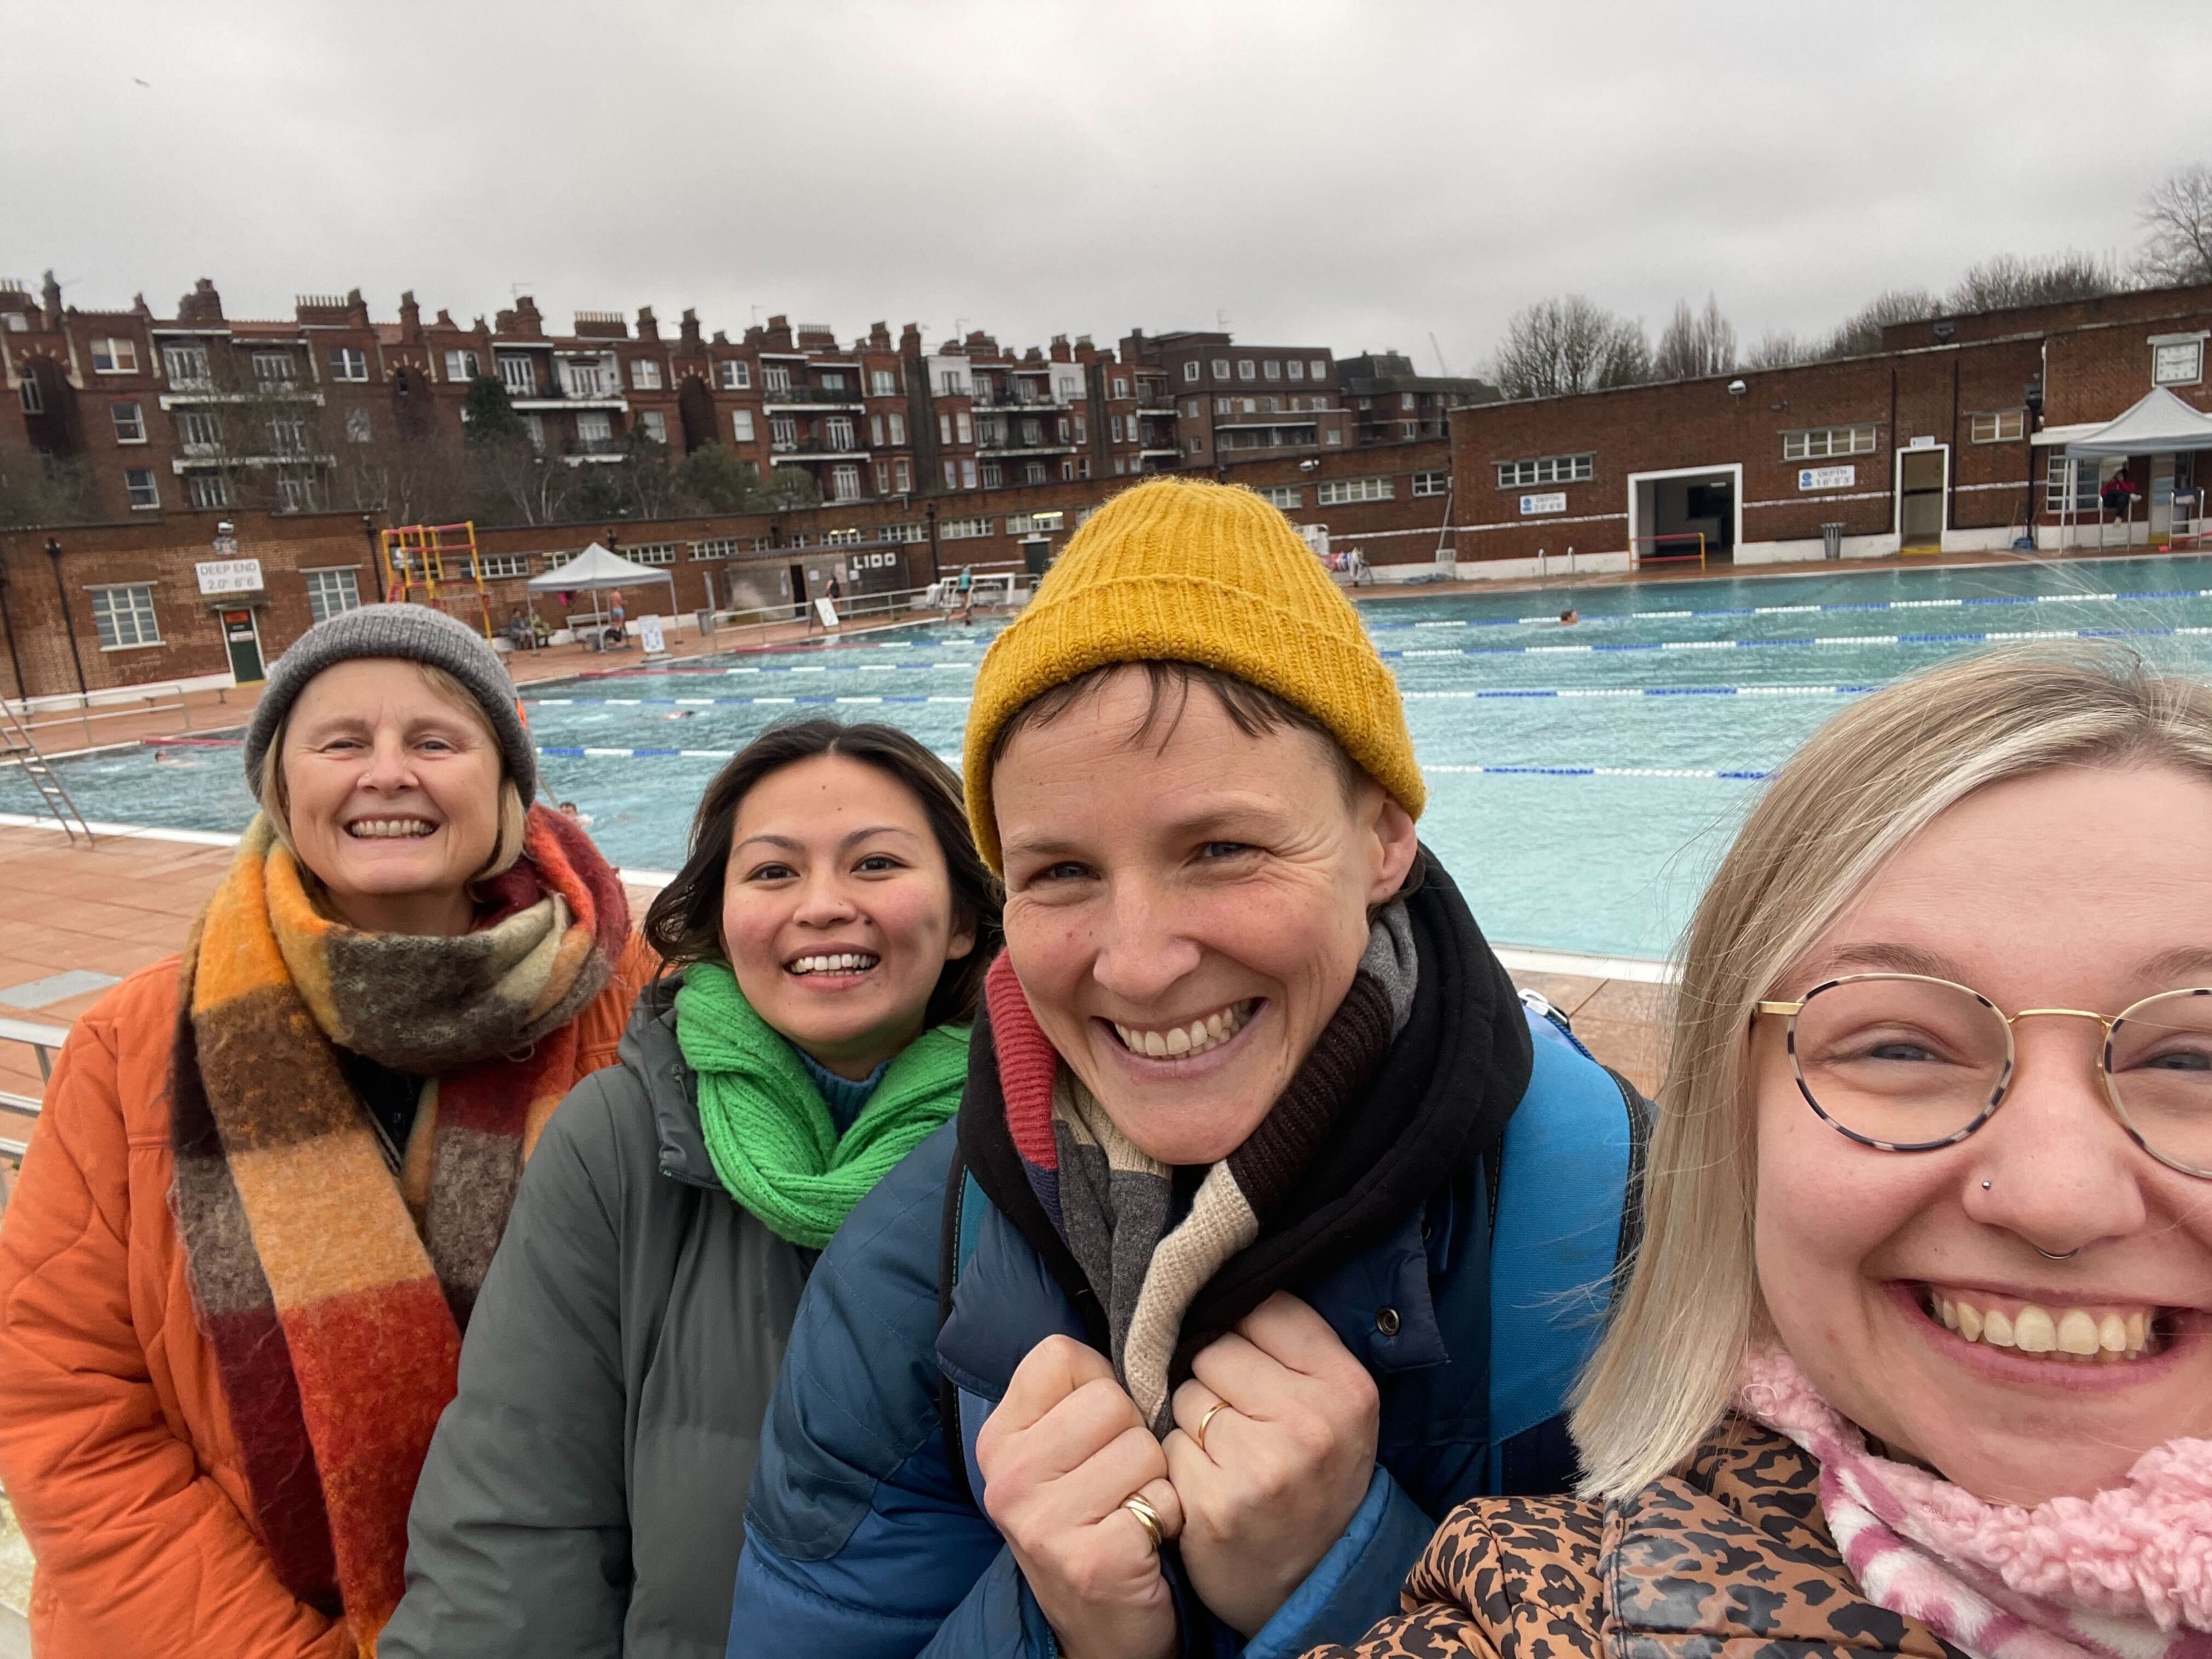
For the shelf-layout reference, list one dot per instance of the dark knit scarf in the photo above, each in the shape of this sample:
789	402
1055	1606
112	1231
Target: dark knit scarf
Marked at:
1416	1072
332	1289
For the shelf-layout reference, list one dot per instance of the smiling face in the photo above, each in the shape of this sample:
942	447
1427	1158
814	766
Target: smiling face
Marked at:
1186	917
391	794
1908	1286
837	913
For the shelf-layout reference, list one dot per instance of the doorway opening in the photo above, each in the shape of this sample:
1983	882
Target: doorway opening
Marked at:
243	640
1923	477
1685	515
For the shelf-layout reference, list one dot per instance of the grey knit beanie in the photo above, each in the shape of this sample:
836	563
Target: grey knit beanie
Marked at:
415	633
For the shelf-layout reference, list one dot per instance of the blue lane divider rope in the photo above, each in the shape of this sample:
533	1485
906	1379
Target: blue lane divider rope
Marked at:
1799	610
1500	693
1833	640
1730	774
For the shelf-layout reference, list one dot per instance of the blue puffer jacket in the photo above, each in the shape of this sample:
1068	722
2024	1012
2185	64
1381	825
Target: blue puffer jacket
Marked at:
861	1541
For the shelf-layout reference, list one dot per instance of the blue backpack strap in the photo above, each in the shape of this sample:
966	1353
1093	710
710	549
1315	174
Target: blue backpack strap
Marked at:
964	1209
1563	1221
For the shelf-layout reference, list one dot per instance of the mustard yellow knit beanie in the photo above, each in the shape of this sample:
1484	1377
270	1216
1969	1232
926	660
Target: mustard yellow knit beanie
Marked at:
1200	572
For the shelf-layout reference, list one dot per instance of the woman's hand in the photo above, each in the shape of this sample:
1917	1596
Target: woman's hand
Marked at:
1283	1463
1061	1453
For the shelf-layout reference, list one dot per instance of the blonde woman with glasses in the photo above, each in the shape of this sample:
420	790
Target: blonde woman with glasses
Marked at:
1915	1358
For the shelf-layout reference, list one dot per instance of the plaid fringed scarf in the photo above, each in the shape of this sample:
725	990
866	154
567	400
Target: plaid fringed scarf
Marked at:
1113	1203
333	1292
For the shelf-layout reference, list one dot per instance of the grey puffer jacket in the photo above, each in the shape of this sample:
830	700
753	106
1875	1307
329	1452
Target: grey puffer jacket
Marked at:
585	1491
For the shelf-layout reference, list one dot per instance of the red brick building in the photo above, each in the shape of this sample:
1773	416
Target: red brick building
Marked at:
1951	437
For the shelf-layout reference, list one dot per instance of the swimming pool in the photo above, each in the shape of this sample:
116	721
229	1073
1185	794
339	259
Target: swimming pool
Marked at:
1583	780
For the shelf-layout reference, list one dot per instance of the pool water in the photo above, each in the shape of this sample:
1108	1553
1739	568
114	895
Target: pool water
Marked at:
1583	779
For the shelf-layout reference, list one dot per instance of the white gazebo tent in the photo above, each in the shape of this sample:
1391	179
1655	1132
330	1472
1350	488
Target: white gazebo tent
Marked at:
597	570
2158	424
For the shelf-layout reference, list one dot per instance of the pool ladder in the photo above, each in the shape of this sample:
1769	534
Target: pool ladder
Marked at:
19	746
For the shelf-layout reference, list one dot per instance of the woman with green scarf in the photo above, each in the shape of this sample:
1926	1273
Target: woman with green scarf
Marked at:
826	942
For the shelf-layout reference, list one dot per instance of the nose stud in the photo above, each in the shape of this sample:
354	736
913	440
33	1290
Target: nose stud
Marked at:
1986	1186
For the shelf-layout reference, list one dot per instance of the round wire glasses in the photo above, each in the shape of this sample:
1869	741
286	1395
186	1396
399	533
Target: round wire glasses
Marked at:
1908	1063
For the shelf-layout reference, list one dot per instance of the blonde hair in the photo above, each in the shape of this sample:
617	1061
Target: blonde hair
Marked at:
1864	785
513	811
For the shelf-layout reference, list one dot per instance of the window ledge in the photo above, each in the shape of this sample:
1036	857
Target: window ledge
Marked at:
149	645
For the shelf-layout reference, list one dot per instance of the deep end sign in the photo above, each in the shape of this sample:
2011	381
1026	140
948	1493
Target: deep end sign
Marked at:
1827	478
1555	502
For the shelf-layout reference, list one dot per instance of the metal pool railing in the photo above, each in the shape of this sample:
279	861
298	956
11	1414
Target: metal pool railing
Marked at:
45	1041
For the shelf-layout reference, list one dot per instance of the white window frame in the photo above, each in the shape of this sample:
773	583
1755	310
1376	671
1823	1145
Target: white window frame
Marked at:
348	363
517	373
186	365
1432	483
136	618
883	383
651	553
902	475
275	371
1320	368
129	420
741	425
494	565
838	430
1343	492
197	429
28	396
655	424
1820	442
715	547
114	356
1546	470
1190	370
360	428
461	366
845	481
207	490
1272	369
963	427
776	377
583	379
737	375
325	585
967	473
1285	496
644	374
1296	368
898	428
1997	426
1247	369
594	426
141	489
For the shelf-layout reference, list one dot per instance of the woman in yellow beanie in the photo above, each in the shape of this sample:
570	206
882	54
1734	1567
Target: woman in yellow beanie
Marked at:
1254	1248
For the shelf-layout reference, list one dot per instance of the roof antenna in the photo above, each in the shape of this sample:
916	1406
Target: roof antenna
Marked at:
1442	367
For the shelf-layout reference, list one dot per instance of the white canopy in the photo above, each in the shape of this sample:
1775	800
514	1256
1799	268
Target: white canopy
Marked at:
594	569
2158	424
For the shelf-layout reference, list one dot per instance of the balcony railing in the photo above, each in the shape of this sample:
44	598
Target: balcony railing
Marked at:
596	447
813	447
814	394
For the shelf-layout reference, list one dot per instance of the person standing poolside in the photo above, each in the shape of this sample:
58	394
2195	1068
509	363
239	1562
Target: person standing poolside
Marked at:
269	1175
1915	1357
617	629
585	1494
1182	1336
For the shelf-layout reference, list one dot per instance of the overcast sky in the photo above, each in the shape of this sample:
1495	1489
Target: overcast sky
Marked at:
1355	175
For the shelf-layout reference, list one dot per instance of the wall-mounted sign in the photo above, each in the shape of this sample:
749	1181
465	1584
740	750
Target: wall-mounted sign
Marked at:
229	575
1922	443
1555	502
1827	478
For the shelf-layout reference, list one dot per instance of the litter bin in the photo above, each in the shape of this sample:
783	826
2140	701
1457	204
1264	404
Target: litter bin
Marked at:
1832	541
706	620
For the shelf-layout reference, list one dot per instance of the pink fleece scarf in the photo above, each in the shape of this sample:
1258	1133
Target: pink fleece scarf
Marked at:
2123	1574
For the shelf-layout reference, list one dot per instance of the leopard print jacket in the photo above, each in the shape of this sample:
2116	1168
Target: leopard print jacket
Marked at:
1729	1559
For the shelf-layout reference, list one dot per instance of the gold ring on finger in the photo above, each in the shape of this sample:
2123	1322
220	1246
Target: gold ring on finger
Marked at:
1148	1517
1205	1422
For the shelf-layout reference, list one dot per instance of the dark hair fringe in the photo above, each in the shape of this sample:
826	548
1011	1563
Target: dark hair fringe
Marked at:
685	923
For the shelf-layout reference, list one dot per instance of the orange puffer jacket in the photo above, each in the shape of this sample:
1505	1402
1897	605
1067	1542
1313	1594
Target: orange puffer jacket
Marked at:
115	1440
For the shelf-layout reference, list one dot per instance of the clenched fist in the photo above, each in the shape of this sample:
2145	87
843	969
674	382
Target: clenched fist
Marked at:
1285	1462
1062	1451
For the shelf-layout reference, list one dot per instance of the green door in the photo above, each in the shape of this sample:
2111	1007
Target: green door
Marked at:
245	645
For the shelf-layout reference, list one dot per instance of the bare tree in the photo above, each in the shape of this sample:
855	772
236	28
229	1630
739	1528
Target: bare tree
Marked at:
1861	333
37	490
1568	345
2176	218
2006	280
1780	348
1694	344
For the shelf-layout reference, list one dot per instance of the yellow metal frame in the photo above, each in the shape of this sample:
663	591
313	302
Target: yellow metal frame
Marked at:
1638	562
434	564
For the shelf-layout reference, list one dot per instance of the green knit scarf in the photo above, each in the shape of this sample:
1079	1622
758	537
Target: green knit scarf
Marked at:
767	1127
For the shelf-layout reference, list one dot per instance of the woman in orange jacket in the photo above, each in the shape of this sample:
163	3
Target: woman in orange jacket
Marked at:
270	1173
